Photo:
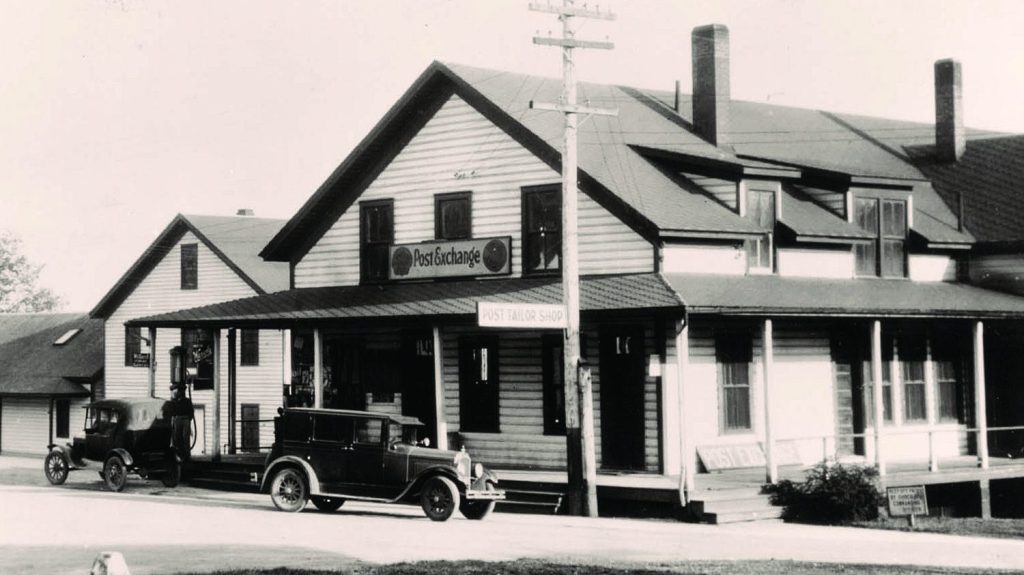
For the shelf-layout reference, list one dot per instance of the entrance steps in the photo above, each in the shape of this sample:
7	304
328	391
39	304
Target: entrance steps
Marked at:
732	505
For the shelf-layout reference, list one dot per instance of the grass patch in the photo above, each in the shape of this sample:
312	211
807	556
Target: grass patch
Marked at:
536	567
967	526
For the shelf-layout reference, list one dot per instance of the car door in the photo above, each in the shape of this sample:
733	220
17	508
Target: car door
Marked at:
99	437
365	472
331	450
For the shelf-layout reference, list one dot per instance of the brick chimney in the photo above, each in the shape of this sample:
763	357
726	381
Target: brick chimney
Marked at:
711	82
245	212
950	138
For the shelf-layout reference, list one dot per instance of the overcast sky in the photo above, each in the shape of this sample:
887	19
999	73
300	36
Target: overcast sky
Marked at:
117	115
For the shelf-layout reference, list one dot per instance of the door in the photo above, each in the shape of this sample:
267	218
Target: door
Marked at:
250	427
417	385
342	378
622	398
849	387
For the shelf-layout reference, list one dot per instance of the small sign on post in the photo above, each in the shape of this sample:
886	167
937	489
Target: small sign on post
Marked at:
907	501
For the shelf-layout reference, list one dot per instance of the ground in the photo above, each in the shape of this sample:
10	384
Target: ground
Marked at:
61	529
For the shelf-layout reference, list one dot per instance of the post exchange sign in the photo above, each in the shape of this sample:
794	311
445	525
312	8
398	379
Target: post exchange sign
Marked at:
449	259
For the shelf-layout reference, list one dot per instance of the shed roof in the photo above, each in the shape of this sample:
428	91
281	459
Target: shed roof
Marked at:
30	363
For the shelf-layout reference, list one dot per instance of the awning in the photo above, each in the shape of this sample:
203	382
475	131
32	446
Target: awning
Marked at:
785	296
19	385
289	309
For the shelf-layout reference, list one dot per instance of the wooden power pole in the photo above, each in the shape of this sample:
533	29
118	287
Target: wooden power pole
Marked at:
579	408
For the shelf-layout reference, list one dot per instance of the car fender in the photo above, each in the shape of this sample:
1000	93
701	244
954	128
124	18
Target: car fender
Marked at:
123	454
434	471
314	483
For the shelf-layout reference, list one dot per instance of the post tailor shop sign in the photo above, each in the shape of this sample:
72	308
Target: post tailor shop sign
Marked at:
447	259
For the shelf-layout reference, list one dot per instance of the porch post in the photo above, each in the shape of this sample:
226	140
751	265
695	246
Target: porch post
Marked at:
232	389
768	361
439	412
876	387
318	366
216	395
152	362
931	403
286	362
669	419
687	459
980	411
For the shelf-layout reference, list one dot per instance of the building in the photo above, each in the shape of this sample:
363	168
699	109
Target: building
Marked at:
51	364
760	284
199	260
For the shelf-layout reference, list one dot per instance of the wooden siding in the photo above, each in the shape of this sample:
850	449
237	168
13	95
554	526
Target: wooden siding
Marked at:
161	292
521	442
998	271
932	268
816	263
703	259
834	202
459	150
724	191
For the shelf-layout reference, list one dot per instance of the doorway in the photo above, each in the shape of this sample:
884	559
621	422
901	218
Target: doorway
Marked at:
622	397
849	394
343	384
417	381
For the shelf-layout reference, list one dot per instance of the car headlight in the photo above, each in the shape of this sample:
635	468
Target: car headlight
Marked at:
478	470
462	463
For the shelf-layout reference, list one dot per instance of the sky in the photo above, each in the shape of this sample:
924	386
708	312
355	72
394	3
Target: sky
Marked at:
117	115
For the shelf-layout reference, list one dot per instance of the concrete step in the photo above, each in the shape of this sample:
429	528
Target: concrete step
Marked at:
734	505
770	514
725	493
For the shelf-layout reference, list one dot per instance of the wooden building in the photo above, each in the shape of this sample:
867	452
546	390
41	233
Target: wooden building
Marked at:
51	364
760	284
198	260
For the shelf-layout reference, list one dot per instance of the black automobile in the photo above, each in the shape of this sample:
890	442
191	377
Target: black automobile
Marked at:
330	455
147	436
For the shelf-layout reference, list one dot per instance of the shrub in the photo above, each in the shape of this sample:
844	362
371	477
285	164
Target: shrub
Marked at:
831	494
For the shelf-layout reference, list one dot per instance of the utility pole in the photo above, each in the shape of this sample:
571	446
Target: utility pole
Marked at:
579	411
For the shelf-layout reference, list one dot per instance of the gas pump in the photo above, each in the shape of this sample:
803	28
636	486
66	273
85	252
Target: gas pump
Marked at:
183	424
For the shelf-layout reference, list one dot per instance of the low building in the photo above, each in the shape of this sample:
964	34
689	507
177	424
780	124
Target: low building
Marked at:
51	364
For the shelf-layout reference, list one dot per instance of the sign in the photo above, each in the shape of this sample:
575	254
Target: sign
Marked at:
717	457
908	500
448	259
521	315
140	360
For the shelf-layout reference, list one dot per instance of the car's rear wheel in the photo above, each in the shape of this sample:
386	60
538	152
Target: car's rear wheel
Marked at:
115	473
171	477
477	510
288	490
55	466
438	498
327	504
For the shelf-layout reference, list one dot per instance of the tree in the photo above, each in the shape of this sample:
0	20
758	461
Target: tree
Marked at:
18	277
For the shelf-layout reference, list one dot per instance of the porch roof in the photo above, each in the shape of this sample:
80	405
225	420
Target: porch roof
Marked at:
632	292
787	296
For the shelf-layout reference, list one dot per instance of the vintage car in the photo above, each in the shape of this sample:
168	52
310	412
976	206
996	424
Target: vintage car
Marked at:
331	455
142	436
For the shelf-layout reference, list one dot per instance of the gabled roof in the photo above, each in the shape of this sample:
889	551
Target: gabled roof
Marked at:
236	240
30	363
629	163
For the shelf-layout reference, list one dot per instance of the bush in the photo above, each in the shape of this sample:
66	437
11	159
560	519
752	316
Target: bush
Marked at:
832	494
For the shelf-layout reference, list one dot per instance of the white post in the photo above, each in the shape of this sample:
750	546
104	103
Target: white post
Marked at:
216	395
152	362
439	413
980	411
688	462
931	404
767	363
876	386
670	461
286	361
318	366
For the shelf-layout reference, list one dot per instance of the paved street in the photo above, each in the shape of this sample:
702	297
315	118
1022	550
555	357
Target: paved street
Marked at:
49	529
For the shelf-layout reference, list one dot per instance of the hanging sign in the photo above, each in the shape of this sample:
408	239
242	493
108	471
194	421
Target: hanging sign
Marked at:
521	315
140	360
451	258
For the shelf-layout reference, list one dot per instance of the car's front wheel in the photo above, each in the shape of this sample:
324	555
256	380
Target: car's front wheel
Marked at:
115	473
56	467
438	498
327	504
288	490
477	510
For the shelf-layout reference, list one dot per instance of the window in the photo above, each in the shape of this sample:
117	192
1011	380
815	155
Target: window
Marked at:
368	431
197	345
912	358
334	429
948	380
553	364
542	230
453	216
761	211
733	353
250	347
189	266
376	233
885	255
132	345
478	384
66	337
63	409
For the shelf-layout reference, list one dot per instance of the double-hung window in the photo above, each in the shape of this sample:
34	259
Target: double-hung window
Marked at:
189	266
132	345
948	388
912	358
376	233
453	216
886	220
250	347
734	355
542	229
760	210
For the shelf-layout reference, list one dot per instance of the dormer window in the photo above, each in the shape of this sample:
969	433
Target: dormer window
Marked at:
66	337
761	209
886	254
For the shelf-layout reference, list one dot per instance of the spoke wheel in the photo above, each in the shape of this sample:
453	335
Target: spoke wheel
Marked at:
327	504
172	477
477	510
115	473
288	490
439	498
55	466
